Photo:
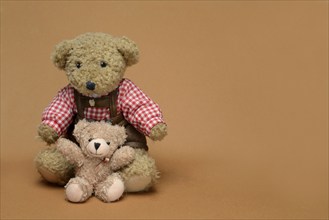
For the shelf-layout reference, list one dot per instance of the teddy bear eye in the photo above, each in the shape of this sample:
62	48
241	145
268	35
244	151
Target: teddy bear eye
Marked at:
78	64
108	143
103	64
90	139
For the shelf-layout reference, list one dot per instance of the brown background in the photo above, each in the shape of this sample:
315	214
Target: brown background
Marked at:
242	85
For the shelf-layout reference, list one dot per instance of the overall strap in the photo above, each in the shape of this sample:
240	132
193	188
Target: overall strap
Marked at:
113	97
116	119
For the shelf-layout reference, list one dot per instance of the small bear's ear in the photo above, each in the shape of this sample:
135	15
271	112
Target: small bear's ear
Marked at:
121	134
128	49
61	53
79	127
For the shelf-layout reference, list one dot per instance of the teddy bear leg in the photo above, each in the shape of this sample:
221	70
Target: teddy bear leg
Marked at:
53	167
141	174
78	190
111	189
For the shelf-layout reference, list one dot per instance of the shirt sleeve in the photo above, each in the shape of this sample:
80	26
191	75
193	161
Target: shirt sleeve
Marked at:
137	108
59	114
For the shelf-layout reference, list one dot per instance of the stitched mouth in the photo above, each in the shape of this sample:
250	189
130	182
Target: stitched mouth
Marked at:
95	154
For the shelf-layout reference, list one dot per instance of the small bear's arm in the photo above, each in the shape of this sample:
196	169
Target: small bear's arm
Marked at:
122	157
70	151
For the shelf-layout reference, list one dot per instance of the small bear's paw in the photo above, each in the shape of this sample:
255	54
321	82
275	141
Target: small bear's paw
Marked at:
115	191
111	189
74	193
78	190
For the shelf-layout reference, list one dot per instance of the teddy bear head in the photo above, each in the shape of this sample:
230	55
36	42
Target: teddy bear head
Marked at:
95	63
99	139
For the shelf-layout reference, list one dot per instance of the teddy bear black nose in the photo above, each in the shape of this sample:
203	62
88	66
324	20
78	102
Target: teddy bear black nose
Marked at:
97	145
90	85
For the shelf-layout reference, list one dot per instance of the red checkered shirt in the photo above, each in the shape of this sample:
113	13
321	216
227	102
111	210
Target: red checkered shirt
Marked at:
137	108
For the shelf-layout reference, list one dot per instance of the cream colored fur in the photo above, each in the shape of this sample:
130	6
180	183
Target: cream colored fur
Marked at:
95	166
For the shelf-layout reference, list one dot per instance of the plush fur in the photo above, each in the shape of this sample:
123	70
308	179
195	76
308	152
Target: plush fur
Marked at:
143	167
158	132
96	160
119	52
53	166
49	135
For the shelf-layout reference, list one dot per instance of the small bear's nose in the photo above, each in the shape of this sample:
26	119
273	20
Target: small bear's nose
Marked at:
90	85
97	145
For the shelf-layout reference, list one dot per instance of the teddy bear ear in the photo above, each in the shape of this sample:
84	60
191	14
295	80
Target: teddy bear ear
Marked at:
79	127
61	53
121	134
128	49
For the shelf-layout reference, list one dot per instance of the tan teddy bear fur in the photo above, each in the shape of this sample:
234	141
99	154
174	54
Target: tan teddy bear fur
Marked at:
95	64
96	160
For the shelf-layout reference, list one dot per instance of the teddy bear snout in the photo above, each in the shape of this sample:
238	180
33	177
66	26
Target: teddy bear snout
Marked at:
98	147
90	85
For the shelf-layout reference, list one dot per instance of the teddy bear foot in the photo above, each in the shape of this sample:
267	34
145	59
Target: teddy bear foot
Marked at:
115	191
138	183
53	167
78	190
50	177
111	189
74	193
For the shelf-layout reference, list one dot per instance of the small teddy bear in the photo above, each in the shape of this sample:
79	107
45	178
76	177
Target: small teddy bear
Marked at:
95	65
99	155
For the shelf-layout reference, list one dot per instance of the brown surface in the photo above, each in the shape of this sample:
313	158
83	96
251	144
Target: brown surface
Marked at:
243	87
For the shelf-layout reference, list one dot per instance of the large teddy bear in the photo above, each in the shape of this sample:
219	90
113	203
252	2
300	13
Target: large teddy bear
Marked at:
95	64
99	155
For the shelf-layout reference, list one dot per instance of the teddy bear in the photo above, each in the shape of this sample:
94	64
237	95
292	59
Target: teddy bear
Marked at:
99	154
95	64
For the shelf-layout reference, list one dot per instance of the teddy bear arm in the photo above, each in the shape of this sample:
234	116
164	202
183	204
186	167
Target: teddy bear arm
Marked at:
122	157
70	151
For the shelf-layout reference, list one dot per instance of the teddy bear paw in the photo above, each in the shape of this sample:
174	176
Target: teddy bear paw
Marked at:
50	176
74	193
158	132
115	191
138	183
78	190
47	134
